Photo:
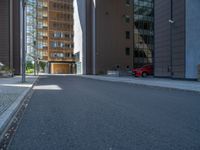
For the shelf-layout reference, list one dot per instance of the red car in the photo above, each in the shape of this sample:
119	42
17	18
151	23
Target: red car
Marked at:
143	71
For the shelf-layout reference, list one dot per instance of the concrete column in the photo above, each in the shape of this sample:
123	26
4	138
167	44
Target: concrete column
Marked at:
11	34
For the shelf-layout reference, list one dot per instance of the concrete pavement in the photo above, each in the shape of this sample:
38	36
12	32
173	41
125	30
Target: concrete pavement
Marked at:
74	113
12	92
192	86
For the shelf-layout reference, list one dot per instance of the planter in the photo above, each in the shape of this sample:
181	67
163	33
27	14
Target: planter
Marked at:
6	74
113	73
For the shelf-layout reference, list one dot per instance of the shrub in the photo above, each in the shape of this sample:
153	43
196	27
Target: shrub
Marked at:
29	71
42	65
6	71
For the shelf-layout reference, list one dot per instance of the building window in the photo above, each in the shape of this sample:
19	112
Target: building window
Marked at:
128	2
143	33
57	55
127	19
128	35
127	51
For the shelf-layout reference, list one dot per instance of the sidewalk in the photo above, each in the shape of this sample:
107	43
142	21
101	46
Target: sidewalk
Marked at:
192	86
12	92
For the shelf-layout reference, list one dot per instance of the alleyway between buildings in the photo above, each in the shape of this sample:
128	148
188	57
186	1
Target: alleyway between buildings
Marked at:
75	113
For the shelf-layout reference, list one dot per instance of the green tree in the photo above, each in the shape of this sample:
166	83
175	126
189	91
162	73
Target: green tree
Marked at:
29	65
42	65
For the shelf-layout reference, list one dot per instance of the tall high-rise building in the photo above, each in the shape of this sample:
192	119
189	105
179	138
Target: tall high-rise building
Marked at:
42	31
115	35
10	30
132	33
143	32
107	35
177	42
31	31
55	35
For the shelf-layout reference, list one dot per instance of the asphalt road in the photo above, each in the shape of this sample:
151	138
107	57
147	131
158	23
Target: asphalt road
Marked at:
74	113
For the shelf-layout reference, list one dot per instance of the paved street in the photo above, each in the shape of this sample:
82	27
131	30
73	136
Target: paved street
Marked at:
74	113
12	92
11	89
185	85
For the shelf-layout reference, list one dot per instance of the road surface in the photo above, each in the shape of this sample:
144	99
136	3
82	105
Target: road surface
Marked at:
75	113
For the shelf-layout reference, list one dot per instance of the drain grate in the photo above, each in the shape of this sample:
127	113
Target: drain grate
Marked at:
6	100
13	125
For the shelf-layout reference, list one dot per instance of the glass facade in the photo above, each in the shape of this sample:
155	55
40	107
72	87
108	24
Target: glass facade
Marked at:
143	32
50	32
30	29
42	29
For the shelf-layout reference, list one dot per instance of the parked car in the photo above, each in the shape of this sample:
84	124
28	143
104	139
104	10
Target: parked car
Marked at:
143	71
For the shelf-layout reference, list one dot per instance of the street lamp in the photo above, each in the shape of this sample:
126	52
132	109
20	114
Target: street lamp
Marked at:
24	41
171	21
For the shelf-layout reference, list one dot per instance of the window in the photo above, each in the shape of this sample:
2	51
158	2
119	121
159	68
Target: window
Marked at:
143	32
62	35
62	45
127	51
57	35
128	2
57	55
54	44
127	19
128	35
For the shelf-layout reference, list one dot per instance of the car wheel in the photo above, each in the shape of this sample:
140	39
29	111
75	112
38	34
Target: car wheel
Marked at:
144	74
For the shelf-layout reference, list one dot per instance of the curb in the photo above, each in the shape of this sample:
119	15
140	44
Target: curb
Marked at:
141	84
8	115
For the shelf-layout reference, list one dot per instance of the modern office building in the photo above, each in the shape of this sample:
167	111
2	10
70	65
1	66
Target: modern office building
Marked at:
42	29
85	36
10	48
114	35
55	35
113	45
143	32
105	35
177	42
109	35
81	16
31	32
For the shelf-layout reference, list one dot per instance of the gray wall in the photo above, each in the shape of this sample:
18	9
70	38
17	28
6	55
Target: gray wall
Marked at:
162	54
110	35
80	34
169	62
193	38
178	39
83	30
16	37
4	32
10	34
90	39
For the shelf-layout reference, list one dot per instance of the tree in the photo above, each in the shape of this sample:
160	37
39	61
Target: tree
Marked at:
42	65
29	65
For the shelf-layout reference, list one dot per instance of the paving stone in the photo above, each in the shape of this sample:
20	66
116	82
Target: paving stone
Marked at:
11	89
6	99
